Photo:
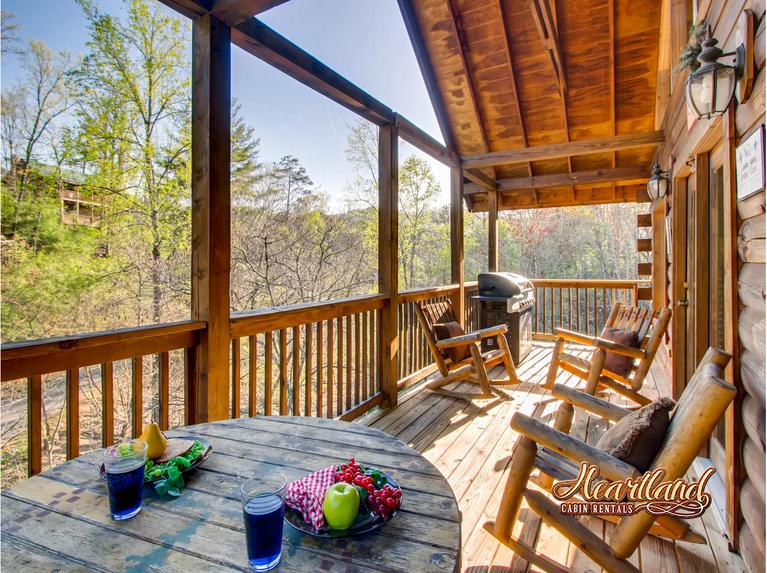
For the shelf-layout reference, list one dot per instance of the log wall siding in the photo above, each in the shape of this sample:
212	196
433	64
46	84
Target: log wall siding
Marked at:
751	330
746	527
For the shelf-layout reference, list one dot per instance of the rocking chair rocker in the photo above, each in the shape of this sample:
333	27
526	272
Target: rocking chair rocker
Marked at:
649	327
474	367
552	451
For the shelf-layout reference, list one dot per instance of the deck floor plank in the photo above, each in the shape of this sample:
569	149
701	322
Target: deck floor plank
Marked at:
472	443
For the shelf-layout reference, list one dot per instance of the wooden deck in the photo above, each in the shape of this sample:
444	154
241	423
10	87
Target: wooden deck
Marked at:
471	445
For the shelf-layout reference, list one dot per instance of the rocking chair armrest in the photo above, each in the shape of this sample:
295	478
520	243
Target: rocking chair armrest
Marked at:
610	467
492	331
622	349
572	336
589	403
461	340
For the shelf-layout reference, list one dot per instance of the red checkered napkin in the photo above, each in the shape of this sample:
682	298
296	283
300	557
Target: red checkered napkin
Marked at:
307	495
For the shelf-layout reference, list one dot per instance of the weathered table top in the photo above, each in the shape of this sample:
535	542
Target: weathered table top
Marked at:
59	520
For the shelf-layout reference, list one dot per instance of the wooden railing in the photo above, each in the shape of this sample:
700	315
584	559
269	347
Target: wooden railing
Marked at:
315	359
323	355
414	357
581	305
66	356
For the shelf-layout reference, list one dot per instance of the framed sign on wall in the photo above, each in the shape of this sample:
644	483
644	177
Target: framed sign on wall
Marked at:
749	158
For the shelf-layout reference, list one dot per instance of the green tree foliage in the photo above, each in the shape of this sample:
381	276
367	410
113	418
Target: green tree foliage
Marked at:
133	87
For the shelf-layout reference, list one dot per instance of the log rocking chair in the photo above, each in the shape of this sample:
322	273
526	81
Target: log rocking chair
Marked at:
558	455
475	365
649	327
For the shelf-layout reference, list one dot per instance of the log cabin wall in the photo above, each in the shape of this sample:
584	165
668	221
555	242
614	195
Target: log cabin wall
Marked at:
745	275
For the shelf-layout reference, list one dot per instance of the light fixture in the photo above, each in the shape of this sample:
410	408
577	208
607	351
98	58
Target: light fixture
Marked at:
657	186
711	87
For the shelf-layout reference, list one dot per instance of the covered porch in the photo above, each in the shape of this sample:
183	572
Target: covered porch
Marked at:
529	120
471	444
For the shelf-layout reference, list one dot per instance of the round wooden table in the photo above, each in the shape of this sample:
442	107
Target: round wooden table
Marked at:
59	520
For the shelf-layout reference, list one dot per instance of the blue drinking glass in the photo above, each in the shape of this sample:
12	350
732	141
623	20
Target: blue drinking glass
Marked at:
263	509
124	464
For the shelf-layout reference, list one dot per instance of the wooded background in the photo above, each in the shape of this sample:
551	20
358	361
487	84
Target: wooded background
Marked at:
118	118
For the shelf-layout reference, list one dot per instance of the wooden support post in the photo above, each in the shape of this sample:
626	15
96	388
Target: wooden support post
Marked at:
733	420
388	265
211	69
678	286
659	272
456	243
492	231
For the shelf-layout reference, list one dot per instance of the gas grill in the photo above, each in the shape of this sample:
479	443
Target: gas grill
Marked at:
507	298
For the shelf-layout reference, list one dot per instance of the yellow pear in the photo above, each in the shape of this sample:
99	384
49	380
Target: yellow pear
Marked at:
156	442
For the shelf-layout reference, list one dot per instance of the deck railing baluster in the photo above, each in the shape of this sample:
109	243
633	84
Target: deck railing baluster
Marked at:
330	369
268	351
137	395
296	337
308	370
252	375
34	425
163	378
318	398
235	378
107	404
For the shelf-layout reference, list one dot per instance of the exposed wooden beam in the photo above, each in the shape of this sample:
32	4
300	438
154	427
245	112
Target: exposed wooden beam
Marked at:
430	80
514	200
260	40
623	175
455	19
236	11
480	179
559	150
505	8
544	20
190	8
418	138
611	64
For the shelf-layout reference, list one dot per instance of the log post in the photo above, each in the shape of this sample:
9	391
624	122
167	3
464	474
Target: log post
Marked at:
456	243
492	231
211	86
733	421
388	264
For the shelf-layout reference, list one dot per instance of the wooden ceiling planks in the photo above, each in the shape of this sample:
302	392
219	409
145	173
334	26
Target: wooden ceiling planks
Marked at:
607	51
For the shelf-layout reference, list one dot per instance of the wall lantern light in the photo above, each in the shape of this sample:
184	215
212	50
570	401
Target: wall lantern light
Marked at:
711	87
657	186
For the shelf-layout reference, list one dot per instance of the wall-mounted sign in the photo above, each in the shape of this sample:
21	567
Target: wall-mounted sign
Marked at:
750	164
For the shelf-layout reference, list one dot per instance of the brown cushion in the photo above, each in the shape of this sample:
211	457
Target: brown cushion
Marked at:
615	362
447	330
637	438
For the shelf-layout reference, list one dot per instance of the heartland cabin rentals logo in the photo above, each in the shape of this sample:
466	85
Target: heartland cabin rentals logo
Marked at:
648	492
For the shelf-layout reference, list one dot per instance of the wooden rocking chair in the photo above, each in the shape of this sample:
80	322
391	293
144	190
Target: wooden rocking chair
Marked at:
553	452
473	368
648	324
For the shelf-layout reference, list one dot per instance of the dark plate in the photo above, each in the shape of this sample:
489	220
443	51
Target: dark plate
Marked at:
365	523
205	455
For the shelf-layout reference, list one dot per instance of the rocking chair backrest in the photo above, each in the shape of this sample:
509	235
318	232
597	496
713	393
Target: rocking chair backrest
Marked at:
649	325
428	315
701	406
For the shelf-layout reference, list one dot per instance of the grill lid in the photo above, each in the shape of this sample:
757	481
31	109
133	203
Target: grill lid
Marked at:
503	285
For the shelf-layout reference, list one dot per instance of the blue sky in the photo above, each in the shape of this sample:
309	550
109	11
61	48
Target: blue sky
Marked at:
365	40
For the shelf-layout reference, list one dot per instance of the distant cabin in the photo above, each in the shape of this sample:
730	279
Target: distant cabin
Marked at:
79	205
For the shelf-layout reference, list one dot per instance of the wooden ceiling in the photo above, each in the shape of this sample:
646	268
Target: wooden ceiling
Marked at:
575	79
